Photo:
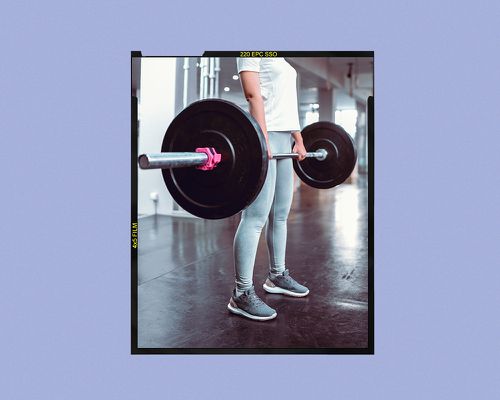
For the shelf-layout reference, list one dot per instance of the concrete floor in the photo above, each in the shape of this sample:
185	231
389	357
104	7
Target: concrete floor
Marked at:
185	275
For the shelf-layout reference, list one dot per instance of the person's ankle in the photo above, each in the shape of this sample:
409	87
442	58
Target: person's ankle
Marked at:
274	274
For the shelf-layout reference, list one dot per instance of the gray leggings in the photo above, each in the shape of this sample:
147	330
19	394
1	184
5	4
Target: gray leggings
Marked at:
271	205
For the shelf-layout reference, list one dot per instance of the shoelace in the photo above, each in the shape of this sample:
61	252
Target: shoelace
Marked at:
254	299
287	279
285	275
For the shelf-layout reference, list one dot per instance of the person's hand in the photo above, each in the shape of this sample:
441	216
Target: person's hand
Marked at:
269	154
300	150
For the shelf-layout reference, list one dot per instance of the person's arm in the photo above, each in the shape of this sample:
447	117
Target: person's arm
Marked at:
250	83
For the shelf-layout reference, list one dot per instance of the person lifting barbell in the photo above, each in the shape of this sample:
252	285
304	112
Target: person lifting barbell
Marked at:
269	86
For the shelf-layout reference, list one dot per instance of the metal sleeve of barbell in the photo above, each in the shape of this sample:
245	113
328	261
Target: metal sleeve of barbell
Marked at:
320	155
171	160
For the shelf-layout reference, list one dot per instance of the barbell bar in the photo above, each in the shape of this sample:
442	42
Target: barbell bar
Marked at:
193	159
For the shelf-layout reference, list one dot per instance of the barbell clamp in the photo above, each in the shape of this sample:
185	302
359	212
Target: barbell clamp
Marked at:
214	158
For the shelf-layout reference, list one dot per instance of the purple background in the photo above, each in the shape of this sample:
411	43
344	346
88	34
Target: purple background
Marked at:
65	133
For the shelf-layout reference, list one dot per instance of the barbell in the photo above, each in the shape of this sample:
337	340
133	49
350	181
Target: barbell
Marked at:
228	151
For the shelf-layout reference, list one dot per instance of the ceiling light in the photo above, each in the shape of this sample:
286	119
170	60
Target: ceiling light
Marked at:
226	89
235	77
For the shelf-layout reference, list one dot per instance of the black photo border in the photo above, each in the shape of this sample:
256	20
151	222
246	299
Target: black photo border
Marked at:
135	55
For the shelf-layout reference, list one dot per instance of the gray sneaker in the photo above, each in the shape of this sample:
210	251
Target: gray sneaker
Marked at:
285	284
251	306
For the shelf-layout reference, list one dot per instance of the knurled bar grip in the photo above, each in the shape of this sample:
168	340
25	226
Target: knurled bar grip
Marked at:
320	154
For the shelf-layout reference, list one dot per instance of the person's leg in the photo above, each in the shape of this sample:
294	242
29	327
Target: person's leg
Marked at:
279	280
246	240
276	229
244	301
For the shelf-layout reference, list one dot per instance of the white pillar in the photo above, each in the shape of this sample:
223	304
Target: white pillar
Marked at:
156	111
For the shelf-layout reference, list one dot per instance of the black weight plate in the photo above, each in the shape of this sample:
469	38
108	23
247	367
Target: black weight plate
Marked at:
339	163
237	179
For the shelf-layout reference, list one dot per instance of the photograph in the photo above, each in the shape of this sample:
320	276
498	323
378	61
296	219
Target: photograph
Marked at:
252	203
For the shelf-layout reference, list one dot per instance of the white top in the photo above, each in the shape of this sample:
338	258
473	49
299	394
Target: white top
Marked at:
278	87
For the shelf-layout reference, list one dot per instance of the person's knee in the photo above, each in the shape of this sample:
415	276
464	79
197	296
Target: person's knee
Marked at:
258	224
255	222
279	214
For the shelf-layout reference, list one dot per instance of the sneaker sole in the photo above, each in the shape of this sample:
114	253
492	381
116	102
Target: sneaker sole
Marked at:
239	311
278	290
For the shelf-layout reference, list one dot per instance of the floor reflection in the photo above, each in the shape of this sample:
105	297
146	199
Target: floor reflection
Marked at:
186	275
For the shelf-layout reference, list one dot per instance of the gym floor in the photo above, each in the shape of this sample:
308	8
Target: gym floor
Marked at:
185	275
